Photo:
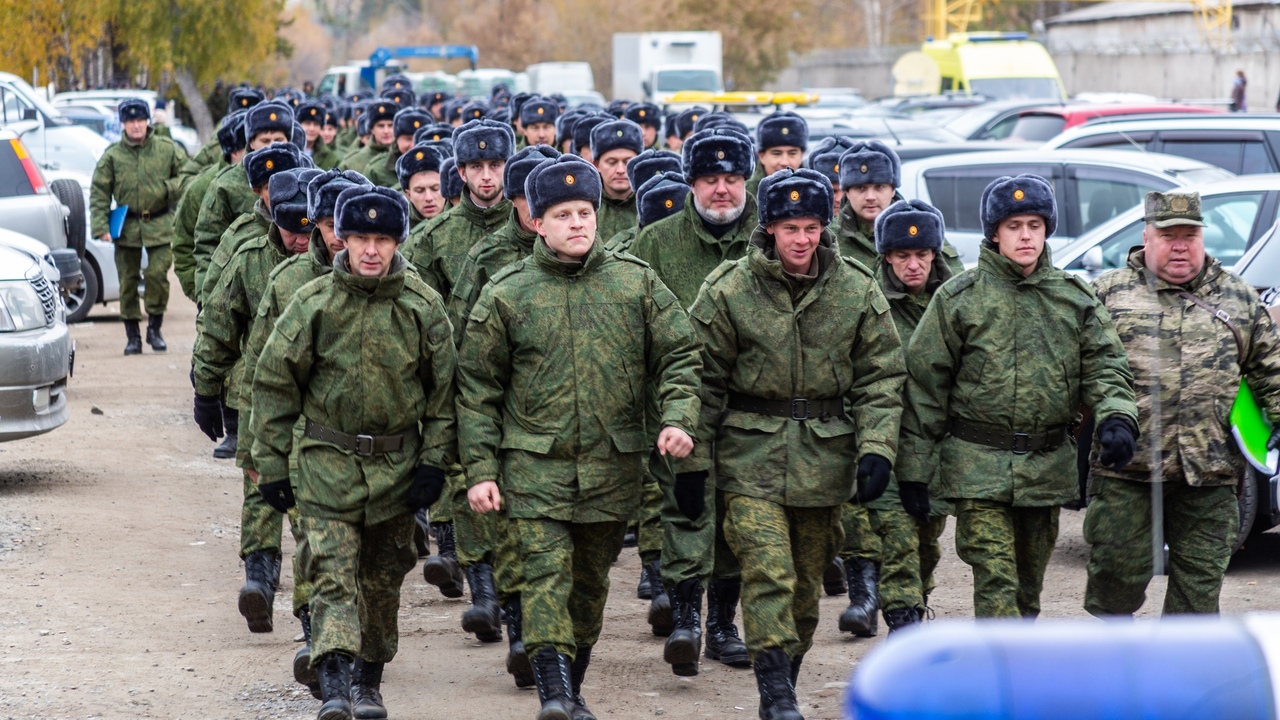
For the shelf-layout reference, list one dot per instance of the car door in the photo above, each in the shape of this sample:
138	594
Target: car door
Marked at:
1243	152
1113	141
957	193
1097	193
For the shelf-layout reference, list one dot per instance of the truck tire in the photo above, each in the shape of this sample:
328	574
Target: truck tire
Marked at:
69	194
80	302
1248	502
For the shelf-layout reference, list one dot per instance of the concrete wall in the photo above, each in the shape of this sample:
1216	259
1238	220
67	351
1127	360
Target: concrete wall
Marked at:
866	69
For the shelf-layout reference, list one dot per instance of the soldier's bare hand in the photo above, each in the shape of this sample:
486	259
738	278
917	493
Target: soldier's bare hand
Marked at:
106	237
484	497
253	475
675	441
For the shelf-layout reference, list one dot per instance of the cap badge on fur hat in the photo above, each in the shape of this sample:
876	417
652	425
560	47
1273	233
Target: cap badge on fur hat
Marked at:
695	118
482	145
271	164
619	133
786	131
795	196
372	213
417	124
273	116
382	108
313	112
1018	195
244	102
542	111
669	203
569	180
913	231
719	154
863	169
835	168
419	155
304	221
641	112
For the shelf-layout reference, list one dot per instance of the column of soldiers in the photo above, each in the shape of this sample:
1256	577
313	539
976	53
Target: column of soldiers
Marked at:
530	329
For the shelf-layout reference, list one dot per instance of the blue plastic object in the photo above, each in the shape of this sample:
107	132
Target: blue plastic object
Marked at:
115	223
1178	668
380	57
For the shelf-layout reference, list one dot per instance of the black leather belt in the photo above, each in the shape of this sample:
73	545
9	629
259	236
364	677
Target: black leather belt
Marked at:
1019	443
146	216
363	445
794	409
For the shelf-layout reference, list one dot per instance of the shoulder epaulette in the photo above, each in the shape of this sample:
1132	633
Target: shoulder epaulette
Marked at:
625	256
959	283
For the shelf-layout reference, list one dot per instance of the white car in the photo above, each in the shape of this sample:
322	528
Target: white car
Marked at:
54	141
107	102
1091	186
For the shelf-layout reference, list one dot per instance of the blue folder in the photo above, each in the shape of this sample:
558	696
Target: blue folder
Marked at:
116	223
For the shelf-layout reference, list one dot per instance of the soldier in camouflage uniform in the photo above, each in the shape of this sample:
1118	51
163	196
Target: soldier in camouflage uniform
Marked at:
379	118
218	357
538	117
781	139
649	118
362	358
801	393
825	158
999	366
613	144
311	116
1164	303
240	99
640	169
231	140
571	321
418	173
141	172
714	226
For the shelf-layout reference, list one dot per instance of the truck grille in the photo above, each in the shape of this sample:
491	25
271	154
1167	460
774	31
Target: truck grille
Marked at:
48	296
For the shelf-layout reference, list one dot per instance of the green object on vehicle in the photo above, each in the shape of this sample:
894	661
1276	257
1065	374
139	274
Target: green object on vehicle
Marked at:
1251	428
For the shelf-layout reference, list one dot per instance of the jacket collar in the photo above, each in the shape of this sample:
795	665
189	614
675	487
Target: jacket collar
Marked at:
999	266
762	258
318	252
524	238
742	228
387	286
487	218
547	260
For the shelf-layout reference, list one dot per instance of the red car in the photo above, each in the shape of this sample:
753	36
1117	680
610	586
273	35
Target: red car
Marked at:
1044	123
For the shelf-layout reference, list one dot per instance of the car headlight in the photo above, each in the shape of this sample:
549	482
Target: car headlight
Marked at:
20	307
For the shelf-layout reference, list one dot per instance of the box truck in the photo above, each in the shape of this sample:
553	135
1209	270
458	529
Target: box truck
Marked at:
653	66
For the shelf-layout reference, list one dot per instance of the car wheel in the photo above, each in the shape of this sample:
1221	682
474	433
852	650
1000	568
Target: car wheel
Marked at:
81	300
69	194
1248	502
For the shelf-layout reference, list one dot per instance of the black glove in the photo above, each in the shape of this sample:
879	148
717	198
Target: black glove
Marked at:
1116	437
428	483
873	478
209	415
278	494
1274	442
915	499
690	493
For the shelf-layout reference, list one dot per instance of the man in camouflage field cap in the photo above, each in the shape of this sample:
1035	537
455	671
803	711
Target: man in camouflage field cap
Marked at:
1193	331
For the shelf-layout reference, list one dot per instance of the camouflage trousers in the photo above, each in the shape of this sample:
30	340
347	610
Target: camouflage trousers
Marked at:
356	573
566	580
1200	524
692	549
507	573
476	534
649	519
1008	548
860	538
442	510
784	551
260	529
129	270
909	553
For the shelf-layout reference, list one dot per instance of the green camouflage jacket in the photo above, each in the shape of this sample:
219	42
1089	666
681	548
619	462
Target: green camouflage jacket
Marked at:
1196	360
622	241
683	253
345	139
364	160
253	224
438	248
324	157
615	216
362	356
230	308
857	239
382	168
210	154
228	197
768	335
285	280
144	177
553	378
753	182
511	243
184	229
1017	354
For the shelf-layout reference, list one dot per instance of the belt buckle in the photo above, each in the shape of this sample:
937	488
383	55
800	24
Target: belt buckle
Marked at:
364	445
1021	443
146	216
802	402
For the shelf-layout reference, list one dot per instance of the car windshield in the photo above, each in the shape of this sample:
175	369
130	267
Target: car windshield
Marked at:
31	97
676	80
966	122
1017	88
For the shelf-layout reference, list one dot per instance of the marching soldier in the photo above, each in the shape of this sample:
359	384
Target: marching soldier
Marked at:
418	173
825	158
781	139
239	99
1004	357
801	390
232	143
379	121
363	360
641	169
613	145
139	172
567	472
1193	331
648	117
312	116
538	121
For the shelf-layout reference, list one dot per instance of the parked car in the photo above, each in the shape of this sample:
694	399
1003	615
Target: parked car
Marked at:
94	118
1260	266
36	349
919	150
55	142
888	128
1045	123
107	101
52	213
1237	214
989	121
1091	186
1244	144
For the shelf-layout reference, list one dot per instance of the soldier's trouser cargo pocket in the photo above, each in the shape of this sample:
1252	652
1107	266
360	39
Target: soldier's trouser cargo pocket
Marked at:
130	273
1008	548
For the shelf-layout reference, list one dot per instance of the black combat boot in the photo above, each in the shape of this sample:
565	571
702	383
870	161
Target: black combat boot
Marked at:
777	694
154	338
631	538
551	671
421	534
231	424
261	578
366	690
660	617
723	642
685	641
901	618
833	580
302	670
133	338
335	687
443	570
517	659
864	598
578	671
796	662
648	576
484	616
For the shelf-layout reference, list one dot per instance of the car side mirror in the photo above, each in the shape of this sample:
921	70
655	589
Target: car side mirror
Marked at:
29	114
1092	260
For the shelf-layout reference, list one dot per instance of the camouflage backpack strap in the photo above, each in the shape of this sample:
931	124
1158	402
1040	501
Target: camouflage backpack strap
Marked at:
1224	317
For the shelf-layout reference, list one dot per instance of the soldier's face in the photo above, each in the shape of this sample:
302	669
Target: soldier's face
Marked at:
136	129
795	240
613	171
424	193
1021	239
540	133
312	129
328	133
267	137
837	194
383	132
403	143
521	204
674	143
912	267
332	242
370	255
568	228
720	198
294	243
484	180
1175	254
868	201
650	135
776	158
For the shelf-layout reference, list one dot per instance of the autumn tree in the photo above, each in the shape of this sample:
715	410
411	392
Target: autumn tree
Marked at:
49	36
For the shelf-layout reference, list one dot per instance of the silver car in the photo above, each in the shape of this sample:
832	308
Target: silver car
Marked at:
36	350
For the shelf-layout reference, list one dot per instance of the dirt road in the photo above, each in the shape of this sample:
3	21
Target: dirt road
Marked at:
118	554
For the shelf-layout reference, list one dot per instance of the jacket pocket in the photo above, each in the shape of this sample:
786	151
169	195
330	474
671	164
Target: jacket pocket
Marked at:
842	368
515	438
831	428
752	421
629	441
